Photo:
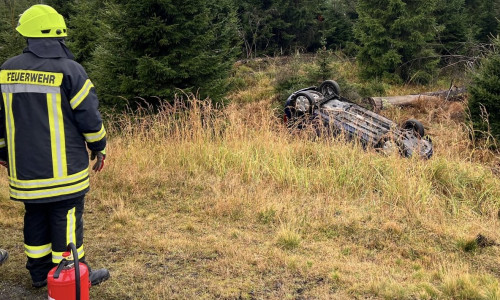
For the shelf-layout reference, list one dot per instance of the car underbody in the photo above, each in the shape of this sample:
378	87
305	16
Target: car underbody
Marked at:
323	109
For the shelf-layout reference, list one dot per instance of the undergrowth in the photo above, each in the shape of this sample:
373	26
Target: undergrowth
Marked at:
204	202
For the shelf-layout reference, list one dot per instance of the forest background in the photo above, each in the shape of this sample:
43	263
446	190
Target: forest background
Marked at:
157	48
242	209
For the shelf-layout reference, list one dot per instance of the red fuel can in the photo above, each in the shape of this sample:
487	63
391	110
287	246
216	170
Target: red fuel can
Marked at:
62	283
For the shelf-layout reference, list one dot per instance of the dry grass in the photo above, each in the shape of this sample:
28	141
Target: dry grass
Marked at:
206	203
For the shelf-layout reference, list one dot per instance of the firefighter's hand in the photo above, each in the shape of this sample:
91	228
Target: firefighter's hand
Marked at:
3	163
101	156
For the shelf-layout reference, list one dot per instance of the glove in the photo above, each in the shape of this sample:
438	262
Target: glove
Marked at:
101	156
3	163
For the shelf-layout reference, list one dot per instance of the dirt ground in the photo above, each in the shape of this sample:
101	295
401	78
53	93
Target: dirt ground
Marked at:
20	290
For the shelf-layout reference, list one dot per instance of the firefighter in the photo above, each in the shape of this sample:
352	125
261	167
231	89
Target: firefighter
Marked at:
48	118
3	256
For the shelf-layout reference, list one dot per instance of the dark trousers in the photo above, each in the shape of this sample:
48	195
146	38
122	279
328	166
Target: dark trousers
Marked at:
48	229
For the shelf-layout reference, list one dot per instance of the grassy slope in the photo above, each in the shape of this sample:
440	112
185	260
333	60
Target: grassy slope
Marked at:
248	211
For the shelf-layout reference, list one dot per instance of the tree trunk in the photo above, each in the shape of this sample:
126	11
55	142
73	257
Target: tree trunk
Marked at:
379	103
453	94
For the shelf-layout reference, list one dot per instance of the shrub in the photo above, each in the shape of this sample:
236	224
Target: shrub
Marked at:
484	101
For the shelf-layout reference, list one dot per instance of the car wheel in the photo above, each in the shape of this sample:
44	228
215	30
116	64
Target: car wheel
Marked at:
415	126
304	102
329	87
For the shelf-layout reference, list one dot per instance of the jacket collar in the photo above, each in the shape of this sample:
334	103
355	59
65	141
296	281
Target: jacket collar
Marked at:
49	48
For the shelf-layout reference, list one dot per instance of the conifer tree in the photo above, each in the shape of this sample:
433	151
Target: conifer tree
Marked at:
265	28
282	27
482	19
152	48
84	28
394	38
484	100
337	19
452	35
63	7
11	42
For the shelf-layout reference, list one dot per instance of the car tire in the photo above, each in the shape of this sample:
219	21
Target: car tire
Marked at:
329	87
304	96
415	126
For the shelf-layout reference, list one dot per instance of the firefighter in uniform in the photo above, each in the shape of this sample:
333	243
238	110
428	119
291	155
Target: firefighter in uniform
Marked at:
48	118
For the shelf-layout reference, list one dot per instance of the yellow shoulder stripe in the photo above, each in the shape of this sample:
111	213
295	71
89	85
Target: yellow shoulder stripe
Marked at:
82	94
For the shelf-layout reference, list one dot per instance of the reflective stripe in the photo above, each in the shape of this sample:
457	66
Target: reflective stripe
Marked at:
71	226
45	183
2	143
37	251
57	256
82	94
57	139
66	190
31	77
95	136
11	132
30	88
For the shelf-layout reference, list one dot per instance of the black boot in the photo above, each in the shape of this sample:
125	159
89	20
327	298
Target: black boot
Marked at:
98	276
3	256
39	284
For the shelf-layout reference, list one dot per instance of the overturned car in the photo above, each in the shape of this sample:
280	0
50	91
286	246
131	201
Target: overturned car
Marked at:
323	109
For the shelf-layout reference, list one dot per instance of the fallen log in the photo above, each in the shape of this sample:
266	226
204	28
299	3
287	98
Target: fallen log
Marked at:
379	103
453	94
384	102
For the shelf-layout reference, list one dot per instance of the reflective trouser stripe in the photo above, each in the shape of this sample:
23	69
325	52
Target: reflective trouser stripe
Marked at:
37	251
9	118
70	236
57	138
2	143
57	256
71	226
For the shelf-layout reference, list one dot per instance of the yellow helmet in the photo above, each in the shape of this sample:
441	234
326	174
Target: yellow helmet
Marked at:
41	21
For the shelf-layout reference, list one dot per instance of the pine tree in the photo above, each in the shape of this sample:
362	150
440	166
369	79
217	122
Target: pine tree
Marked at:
282	27
394	37
152	48
452	36
63	7
306	21
84	28
482	19
264	28
337	20
11	42
484	100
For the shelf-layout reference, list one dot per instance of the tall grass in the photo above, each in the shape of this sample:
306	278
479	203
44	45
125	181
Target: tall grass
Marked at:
249	142
204	202
233	181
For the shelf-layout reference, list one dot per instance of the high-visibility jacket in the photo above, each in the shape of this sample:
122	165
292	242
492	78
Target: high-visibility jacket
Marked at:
48	116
